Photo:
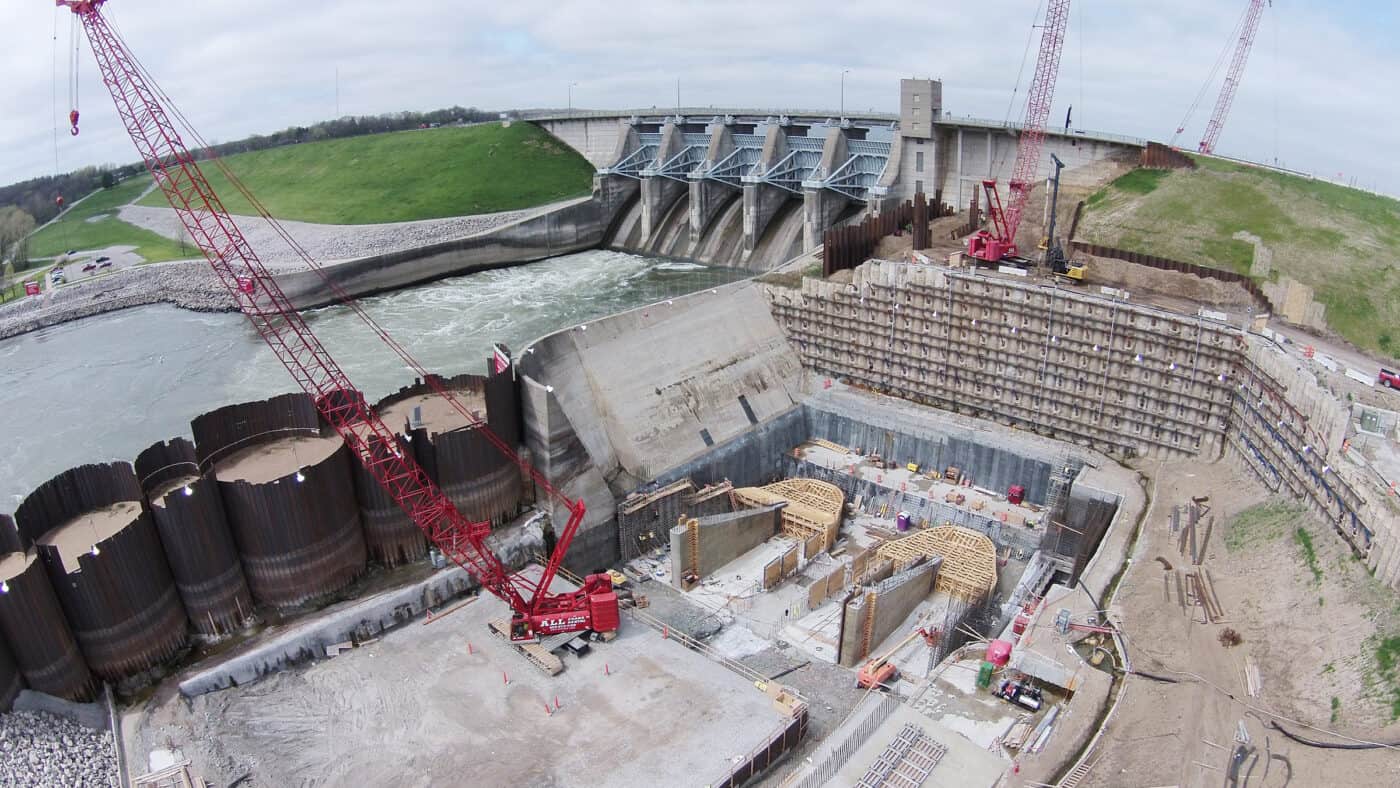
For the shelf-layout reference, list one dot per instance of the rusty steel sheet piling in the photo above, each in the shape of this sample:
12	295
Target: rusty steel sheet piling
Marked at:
32	621
118	593
11	682
189	515
299	534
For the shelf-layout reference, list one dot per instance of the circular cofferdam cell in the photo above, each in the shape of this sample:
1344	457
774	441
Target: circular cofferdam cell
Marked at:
292	509
42	645
100	547
483	482
189	515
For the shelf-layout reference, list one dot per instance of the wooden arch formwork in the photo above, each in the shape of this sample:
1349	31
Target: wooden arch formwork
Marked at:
969	570
813	507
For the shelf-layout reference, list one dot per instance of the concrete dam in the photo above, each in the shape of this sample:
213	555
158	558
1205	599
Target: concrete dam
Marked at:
742	188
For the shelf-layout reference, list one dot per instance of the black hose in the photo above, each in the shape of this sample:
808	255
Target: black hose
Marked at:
1153	677
1330	745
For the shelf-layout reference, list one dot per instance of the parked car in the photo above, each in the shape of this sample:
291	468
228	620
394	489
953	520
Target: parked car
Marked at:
103	259
104	263
1389	378
90	267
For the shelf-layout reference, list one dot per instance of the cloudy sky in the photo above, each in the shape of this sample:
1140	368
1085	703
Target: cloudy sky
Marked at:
1317	95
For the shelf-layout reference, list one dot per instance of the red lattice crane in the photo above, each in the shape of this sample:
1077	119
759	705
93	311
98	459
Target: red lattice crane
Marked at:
147	114
1233	76
999	242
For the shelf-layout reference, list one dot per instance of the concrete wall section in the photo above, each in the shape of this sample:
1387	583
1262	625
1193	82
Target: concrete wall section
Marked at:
572	227
723	538
651	388
557	451
895	598
1111	375
595	139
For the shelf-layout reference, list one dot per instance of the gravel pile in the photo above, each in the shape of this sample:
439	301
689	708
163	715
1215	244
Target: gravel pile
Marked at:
41	749
330	243
189	284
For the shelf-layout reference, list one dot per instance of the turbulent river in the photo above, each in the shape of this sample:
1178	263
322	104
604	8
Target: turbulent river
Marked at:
105	388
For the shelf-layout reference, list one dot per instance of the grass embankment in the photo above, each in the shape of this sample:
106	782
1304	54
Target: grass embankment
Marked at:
406	175
93	224
1341	242
1261	524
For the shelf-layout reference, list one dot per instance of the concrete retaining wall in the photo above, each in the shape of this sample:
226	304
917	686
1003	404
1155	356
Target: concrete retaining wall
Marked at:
572	227
895	599
643	391
722	538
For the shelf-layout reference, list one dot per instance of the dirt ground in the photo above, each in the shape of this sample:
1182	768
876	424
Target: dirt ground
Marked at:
1312	640
82	533
436	413
429	705
273	460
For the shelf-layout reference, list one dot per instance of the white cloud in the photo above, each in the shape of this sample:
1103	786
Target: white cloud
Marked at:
1315	93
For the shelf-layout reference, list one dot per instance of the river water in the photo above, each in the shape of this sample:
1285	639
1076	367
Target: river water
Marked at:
105	388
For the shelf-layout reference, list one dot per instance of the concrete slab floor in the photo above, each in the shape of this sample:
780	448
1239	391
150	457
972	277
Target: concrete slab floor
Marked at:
420	708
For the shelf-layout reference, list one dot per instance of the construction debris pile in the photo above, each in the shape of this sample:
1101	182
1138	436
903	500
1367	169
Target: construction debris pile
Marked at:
37	748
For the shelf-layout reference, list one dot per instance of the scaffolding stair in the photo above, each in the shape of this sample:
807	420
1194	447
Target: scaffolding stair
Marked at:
868	631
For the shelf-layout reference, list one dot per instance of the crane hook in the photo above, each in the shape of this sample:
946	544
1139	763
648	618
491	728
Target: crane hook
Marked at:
73	120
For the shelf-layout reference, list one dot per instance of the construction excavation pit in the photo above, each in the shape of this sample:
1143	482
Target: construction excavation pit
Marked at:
898	551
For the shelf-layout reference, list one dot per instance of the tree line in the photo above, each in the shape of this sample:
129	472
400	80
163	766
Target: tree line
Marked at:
37	198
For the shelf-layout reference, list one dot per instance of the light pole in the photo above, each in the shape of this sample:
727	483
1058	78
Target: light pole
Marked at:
571	98
844	72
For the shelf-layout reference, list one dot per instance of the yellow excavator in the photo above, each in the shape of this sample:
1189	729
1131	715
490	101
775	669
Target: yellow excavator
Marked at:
879	671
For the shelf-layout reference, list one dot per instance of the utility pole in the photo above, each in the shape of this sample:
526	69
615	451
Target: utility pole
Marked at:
678	97
571	98
337	92
844	72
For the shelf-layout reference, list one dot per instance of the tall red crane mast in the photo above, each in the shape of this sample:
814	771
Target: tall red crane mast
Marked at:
1233	76
143	110
1000	242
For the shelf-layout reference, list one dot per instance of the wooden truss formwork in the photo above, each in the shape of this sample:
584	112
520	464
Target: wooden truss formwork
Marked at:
969	570
636	502
813	507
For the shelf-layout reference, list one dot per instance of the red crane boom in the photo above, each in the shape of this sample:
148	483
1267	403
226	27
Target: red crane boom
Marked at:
993	246
176	172
1233	76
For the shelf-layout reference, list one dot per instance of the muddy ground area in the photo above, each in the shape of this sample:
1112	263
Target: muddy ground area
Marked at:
1309	618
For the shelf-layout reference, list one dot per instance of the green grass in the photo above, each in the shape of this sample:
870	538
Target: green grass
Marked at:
1387	659
1140	181
1336	708
1230	253
1260	524
1341	242
1304	540
93	224
406	175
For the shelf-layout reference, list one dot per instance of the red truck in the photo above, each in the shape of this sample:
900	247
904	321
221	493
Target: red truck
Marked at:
1389	378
